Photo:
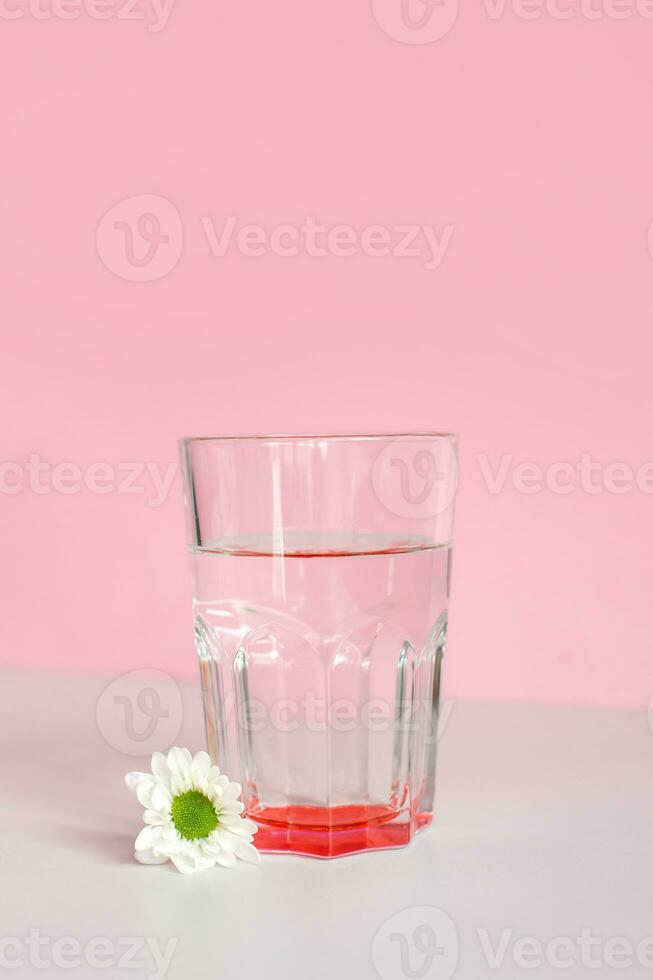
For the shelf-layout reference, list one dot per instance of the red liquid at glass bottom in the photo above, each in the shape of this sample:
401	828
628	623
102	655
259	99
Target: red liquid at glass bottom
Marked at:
333	831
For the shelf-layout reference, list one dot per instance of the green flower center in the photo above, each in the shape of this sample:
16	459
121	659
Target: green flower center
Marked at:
193	815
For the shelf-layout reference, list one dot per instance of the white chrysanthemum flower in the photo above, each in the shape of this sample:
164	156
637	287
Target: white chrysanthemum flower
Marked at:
192	813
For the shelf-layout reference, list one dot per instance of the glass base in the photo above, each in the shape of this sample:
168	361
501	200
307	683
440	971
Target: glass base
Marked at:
328	832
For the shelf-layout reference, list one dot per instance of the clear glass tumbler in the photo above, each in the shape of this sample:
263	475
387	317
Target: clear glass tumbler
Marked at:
321	569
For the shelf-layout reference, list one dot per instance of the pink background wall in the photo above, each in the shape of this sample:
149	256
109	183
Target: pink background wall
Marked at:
528	139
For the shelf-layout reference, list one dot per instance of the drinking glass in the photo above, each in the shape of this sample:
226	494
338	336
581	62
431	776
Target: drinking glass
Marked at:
321	568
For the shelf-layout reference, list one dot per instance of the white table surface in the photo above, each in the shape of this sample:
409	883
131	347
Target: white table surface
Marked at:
544	828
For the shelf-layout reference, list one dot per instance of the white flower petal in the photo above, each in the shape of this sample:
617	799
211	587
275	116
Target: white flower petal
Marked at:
179	762
226	860
179	785
210	849
150	857
201	783
139	783
155	818
203	859
205	862
132	779
239	825
170	832
148	837
231	792
232	809
183	863
201	763
176	845
144	791
161	799
249	853
193	860
214	793
160	768
227	842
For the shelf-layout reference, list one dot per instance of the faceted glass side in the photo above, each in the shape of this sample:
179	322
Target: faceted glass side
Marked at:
334	744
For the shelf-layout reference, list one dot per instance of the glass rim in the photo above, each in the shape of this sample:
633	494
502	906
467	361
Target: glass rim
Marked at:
271	438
